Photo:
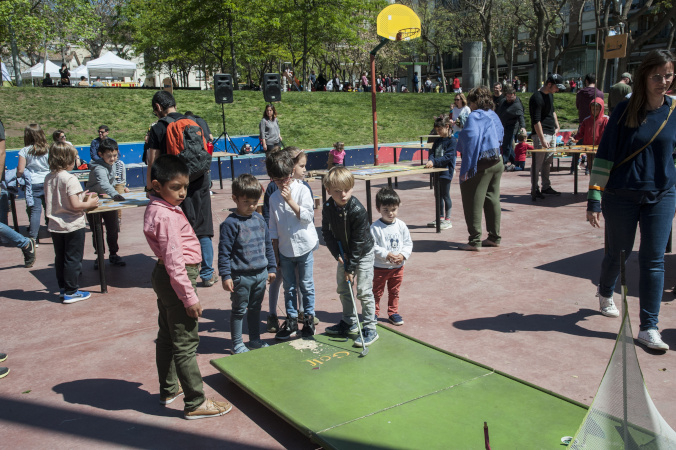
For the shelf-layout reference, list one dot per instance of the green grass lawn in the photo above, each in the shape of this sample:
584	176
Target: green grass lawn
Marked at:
307	119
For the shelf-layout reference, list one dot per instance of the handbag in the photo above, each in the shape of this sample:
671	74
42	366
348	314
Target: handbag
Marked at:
628	158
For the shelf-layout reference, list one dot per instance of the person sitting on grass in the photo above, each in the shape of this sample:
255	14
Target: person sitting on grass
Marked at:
346	231
101	181
393	246
443	155
174	243
246	260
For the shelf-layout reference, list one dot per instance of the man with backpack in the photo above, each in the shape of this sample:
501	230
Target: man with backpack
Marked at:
175	134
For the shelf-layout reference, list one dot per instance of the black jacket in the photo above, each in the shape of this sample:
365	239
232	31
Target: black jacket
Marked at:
350	226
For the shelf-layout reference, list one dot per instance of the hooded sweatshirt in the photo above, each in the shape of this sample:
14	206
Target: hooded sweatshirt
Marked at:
591	129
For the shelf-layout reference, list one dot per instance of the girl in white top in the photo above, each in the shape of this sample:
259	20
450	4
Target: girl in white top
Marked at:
459	112
34	158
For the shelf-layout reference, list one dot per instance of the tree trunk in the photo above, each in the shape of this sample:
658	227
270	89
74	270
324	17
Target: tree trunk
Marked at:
232	54
307	13
441	69
15	54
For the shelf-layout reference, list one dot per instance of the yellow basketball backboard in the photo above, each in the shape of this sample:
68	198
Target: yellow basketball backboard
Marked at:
398	22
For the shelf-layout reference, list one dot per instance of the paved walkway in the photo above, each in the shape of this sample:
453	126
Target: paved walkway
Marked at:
83	375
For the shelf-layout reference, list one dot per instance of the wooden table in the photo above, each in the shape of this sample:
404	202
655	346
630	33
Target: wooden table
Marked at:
576	149
220	155
369	173
132	200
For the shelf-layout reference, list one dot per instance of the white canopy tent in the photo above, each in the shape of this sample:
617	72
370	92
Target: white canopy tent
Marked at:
37	71
5	73
80	71
110	65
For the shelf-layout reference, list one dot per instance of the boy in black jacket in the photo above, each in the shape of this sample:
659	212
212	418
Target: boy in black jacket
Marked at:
345	224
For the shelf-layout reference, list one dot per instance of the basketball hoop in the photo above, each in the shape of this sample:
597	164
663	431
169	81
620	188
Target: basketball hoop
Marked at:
406	34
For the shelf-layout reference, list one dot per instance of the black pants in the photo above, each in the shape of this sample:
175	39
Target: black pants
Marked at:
112	225
68	251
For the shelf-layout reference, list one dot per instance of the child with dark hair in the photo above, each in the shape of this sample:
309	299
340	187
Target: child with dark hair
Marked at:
392	246
246	260
443	155
102	181
65	208
345	228
520	151
294	238
173	241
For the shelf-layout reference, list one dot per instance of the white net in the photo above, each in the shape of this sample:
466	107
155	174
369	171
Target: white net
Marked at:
623	415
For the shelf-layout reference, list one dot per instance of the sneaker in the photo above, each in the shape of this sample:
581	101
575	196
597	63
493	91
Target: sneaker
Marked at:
445	224
396	319
433	224
651	338
607	306
301	318
469	248
308	327
240	348
370	336
172	397
288	330
536	194
257	343
342	328
76	297
4	371
550	191
273	324
211	281
3	356
489	243
29	253
210	408
115	260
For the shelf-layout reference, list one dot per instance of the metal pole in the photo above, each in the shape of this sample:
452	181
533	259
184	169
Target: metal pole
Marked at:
383	41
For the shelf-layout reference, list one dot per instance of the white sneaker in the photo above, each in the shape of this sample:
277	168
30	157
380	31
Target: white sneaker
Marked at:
445	225
607	306
652	339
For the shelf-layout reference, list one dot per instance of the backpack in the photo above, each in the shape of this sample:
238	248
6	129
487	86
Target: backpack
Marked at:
185	139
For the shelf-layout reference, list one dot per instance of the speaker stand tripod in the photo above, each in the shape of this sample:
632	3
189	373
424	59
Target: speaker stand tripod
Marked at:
226	137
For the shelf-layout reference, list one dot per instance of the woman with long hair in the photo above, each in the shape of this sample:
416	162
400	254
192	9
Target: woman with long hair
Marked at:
632	183
269	128
34	158
481	169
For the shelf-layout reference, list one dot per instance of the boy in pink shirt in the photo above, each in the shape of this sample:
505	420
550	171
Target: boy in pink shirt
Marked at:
173	241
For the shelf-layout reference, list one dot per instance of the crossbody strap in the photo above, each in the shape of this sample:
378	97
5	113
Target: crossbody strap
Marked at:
671	109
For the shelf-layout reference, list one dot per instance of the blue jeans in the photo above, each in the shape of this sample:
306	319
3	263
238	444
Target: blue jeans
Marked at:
4	206
247	298
207	267
305	284
35	212
11	238
622	211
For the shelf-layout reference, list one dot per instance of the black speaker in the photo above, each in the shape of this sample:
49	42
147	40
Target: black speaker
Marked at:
272	91
223	88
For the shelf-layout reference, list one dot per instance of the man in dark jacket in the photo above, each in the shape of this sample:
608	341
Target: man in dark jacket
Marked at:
511	114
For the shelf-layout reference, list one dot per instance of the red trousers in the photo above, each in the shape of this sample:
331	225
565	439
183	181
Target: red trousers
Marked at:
391	277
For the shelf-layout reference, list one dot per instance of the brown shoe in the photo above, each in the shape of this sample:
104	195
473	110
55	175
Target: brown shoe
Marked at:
210	408
172	397
469	248
211	281
489	243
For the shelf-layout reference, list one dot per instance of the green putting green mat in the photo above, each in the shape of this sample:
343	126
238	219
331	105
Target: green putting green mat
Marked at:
403	394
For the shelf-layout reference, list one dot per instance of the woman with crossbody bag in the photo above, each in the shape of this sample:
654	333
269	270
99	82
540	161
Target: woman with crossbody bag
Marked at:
632	183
